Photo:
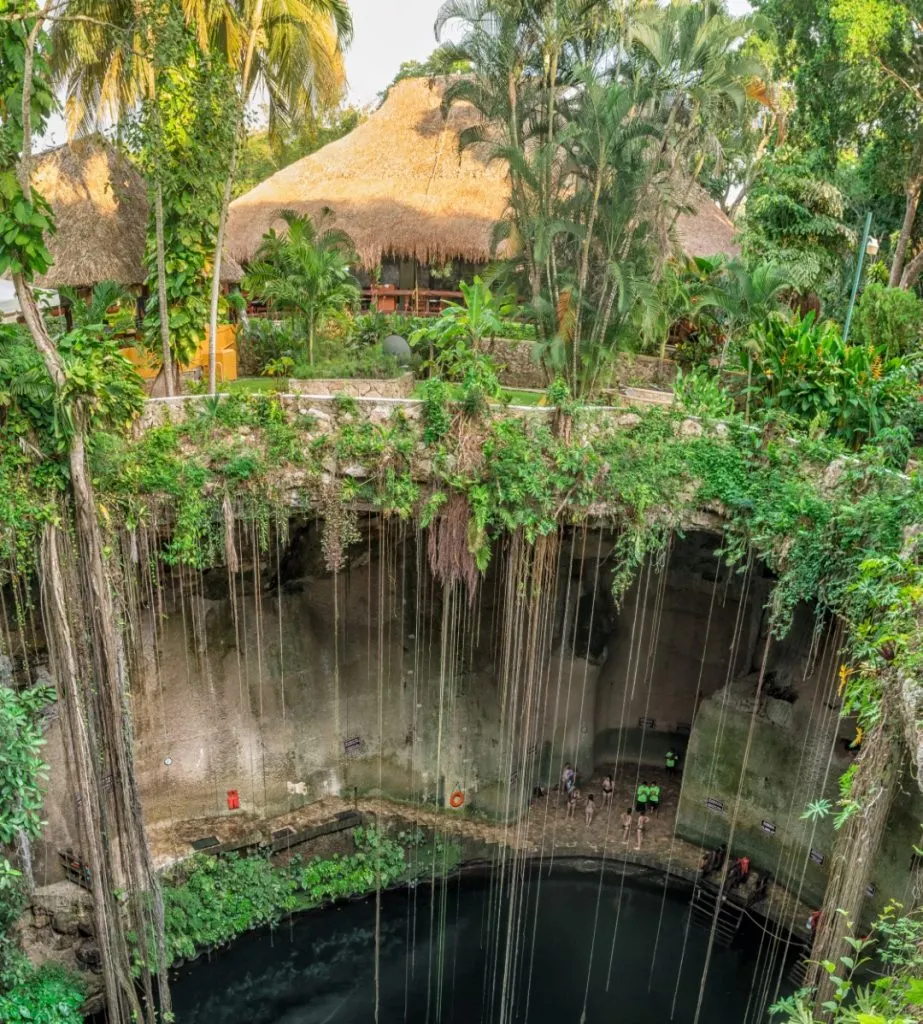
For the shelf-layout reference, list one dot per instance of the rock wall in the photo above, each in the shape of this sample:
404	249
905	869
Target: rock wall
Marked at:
795	747
683	629
284	683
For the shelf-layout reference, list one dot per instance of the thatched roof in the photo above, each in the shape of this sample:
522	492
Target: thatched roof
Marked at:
100	207
708	231
398	186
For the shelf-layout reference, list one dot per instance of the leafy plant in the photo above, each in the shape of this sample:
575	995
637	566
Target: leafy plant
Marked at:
109	307
892	998
809	372
890	320
460	330
48	995
700	392
304	272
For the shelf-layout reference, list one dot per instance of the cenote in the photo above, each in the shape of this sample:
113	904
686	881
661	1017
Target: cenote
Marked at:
619	950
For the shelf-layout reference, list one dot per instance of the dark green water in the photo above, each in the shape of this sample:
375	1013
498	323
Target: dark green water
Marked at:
320	967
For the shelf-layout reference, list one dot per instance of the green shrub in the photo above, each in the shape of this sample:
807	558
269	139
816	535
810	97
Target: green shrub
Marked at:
379	861
48	995
263	343
210	900
367	362
890	319
808	372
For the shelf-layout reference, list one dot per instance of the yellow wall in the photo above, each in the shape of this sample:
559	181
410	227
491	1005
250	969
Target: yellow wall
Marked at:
148	365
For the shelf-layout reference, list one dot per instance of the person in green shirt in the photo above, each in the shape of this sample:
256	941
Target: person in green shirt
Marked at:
672	760
642	795
653	797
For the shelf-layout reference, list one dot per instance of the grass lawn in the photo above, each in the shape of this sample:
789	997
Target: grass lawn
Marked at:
254	385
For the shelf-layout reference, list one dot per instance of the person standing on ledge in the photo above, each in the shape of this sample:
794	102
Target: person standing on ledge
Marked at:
653	798
642	821
607	791
642	793
590	810
626	824
672	761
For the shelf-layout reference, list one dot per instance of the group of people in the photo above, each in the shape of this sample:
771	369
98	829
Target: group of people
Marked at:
647	801
572	794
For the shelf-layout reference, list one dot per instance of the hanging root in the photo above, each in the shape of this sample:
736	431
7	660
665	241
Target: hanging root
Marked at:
230	546
857	846
341	527
449	547
82	606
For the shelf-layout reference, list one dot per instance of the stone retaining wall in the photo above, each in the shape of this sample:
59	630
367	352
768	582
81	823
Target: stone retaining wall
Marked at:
359	387
522	369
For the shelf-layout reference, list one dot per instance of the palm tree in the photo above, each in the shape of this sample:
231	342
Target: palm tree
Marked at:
300	65
304	272
292	49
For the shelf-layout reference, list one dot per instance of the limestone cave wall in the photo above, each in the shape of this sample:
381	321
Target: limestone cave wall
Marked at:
284	683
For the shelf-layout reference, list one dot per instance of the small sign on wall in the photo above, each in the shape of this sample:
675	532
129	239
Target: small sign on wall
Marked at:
816	856
646	723
714	804
233	800
768	827
352	746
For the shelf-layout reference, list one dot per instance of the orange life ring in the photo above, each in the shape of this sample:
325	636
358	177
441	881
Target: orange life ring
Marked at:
457	799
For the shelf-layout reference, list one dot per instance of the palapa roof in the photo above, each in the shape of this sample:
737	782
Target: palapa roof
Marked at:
707	231
100	205
399	187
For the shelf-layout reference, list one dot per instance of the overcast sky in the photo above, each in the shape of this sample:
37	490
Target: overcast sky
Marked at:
388	32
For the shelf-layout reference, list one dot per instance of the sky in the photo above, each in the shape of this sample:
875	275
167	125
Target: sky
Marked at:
388	32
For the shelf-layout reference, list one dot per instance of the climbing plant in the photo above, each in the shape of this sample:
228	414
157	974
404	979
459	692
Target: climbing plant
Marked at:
183	134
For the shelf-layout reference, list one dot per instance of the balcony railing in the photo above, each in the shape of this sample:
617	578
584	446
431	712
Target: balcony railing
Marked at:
413	301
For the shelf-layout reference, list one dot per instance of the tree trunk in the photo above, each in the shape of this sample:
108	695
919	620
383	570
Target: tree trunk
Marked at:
854	856
89	664
162	303
910	215
311	341
255	26
912	271
216	273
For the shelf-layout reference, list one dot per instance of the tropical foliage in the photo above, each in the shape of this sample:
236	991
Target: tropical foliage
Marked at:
603	117
807	370
305	273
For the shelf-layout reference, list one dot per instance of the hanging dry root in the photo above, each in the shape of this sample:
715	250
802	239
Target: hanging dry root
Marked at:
340	528
230	546
449	547
90	668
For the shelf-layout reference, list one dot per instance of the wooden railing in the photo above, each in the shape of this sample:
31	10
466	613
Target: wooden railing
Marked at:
413	301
